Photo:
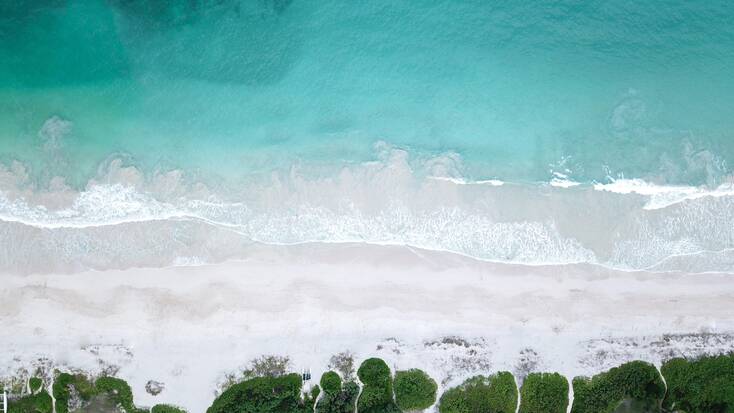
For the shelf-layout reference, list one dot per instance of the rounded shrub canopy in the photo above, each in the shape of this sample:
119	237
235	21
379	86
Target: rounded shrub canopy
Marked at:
166	408
118	390
331	383
261	395
636	380
376	396
480	394
544	393
341	402
414	390
35	384
83	387
702	385
374	371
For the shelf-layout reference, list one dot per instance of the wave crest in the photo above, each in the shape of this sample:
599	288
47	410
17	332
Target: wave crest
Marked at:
113	220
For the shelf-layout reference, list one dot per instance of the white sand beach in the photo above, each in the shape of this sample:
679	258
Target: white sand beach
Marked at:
189	326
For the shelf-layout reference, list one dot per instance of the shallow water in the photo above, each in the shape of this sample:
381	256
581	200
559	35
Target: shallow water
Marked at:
287	121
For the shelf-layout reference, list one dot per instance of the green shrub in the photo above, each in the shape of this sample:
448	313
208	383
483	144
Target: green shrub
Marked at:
37	403
544	393
479	394
261	395
376	394
705	385
374	371
83	386
119	392
414	390
166	408
309	400
331	382
602	393
503	393
341	402
35	384
61	391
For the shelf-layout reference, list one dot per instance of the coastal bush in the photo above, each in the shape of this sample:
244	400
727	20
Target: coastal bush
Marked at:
503	393
308	403
342	401
261	395
166	408
544	393
704	385
36	403
480	394
35	384
376	394
119	392
602	393
60	390
414	390
84	388
374	371
331	383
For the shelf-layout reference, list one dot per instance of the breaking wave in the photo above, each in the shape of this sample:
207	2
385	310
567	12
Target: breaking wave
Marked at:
124	218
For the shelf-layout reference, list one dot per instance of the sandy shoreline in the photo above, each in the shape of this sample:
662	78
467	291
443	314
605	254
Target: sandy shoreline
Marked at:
188	326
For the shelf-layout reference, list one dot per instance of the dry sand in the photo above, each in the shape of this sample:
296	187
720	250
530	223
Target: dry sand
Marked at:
450	315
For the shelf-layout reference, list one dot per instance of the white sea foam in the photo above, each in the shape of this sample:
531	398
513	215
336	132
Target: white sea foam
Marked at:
563	183
562	179
99	205
159	218
662	196
389	222
461	181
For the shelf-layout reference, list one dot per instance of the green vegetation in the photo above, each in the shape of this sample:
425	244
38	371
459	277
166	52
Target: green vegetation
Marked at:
480	394
309	399
261	395
100	403
83	386
414	390
166	408
35	384
331	382
343	401
544	393
705	385
119	392
35	403
635	406
376	394
604	392
267	366
61	391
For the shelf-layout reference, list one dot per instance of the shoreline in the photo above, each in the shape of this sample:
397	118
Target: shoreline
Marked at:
125	218
397	303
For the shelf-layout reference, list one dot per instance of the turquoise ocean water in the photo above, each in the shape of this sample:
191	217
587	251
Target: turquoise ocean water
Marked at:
610	125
